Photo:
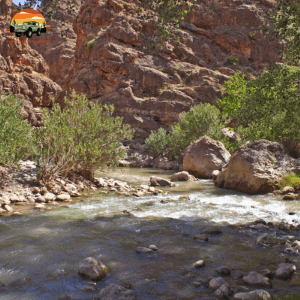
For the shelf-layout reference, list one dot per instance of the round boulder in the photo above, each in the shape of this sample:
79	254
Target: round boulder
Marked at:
92	269
204	156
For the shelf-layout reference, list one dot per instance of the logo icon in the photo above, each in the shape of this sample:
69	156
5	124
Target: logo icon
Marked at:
28	22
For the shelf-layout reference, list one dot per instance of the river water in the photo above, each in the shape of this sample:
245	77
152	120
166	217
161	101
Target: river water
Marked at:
40	251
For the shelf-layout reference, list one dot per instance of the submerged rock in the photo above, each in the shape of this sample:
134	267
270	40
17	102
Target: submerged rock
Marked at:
254	295
116	292
92	269
144	250
223	271
212	230
216	283
204	156
257	280
285	271
182	176
158	181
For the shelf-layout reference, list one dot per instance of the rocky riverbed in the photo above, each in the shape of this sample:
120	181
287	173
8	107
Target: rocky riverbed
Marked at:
188	241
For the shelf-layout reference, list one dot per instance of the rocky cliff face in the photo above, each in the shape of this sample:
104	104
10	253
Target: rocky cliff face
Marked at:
107	53
23	71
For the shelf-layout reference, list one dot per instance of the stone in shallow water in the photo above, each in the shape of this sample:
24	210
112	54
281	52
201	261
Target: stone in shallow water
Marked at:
264	295
212	230
92	269
143	250
257	280
216	283
223	292
224	271
116	292
153	247
201	237
285	271
199	264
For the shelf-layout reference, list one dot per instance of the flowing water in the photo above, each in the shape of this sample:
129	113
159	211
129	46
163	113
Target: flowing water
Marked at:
40	251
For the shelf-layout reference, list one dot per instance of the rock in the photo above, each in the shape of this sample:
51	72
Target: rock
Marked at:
16	213
201	237
184	198
35	190
8	208
216	283
215	174
287	189
284	226
63	197
64	297
199	264
267	273
14	198
143	250
4	200
92	269
139	194
40	199
285	271
182	176
223	271
212	230
2	210
153	247
204	156
158	181
254	295
39	206
116	292
266	238
43	190
256	167
257	280
49	197
223	291
290	196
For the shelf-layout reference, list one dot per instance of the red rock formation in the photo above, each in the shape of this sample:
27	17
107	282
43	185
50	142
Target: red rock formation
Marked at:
108	54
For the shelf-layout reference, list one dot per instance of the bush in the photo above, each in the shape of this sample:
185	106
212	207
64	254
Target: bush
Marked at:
290	180
157	142
90	45
82	137
203	119
15	132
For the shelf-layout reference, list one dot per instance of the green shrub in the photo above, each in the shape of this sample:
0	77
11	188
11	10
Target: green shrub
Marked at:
157	142
90	45
203	119
15	132
232	60
82	137
290	180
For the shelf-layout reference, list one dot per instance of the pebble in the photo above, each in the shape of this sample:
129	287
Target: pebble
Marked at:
199	264
224	271
143	250
216	283
257	280
202	237
39	206
212	230
8	208
63	197
153	247
285	271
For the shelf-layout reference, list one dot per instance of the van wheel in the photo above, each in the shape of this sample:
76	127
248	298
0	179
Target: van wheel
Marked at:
38	33
18	34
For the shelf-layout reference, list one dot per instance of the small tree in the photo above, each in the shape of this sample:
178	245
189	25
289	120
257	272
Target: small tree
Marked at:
82	137
15	132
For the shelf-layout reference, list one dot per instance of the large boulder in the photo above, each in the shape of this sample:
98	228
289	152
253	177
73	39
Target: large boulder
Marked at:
92	269
256	167
116	292
204	156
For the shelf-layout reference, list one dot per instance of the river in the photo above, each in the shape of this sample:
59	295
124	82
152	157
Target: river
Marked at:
40	251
